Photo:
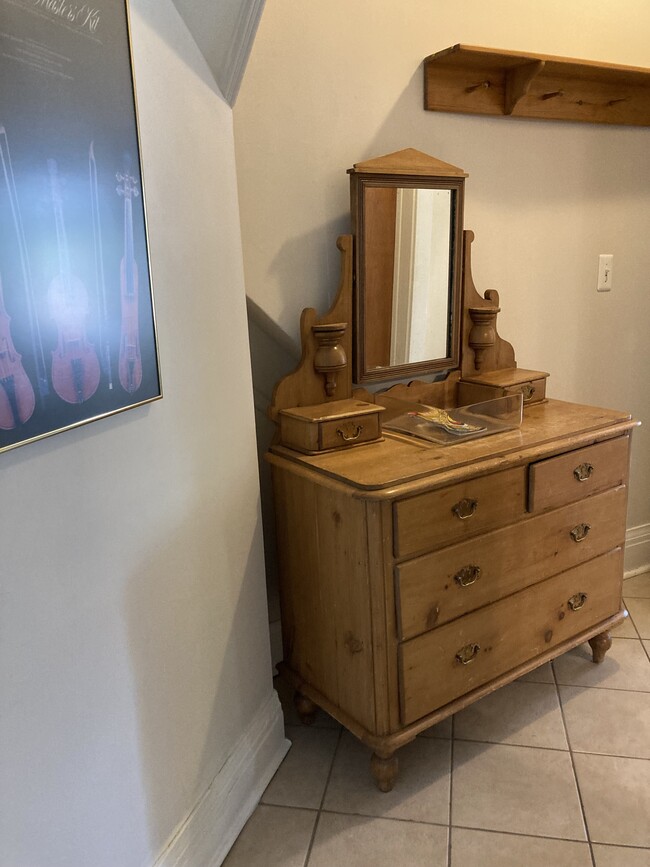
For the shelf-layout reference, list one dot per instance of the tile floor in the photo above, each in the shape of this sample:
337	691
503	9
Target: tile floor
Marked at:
550	771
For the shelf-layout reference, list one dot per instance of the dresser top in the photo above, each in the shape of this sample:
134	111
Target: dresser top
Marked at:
388	466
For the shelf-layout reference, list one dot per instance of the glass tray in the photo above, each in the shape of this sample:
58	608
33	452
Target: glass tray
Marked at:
461	424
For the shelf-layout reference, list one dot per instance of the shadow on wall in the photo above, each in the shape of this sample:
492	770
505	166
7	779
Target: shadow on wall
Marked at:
192	619
274	354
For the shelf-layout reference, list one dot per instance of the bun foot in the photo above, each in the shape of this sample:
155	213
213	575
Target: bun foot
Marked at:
305	708
384	770
600	644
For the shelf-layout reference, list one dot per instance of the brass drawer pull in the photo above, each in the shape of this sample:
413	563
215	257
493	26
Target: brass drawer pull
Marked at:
465	508
468	653
467	575
580	532
583	472
350	435
527	391
576	602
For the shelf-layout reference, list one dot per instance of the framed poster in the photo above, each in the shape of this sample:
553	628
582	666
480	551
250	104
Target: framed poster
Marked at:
77	325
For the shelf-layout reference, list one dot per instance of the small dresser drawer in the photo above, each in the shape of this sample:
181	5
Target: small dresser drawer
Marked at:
531	384
452	660
577	474
439	587
327	426
449	514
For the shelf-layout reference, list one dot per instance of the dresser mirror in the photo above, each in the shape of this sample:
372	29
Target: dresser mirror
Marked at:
407	214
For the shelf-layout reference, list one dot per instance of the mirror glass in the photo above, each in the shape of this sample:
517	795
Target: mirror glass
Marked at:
420	290
408	247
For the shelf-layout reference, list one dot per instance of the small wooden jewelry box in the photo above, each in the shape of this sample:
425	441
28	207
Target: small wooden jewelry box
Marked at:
326	426
499	383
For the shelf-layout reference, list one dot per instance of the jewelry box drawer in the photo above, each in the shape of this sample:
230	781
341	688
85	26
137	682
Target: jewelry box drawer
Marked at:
439	517
454	659
531	384
327	426
577	474
436	588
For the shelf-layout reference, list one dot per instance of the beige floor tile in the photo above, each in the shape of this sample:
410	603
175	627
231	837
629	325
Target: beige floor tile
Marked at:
360	841
300	780
520	713
625	630
617	856
491	849
520	789
542	674
625	666
616	797
421	792
637	587
609	721
285	694
646	644
640	613
273	836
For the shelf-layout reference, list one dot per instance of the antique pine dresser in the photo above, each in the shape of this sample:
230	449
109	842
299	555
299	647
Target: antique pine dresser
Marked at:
415	577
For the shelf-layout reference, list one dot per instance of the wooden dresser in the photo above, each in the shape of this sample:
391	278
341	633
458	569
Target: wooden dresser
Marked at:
416	578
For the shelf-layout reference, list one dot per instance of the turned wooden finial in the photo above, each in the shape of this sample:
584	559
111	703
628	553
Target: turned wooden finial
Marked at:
330	357
483	333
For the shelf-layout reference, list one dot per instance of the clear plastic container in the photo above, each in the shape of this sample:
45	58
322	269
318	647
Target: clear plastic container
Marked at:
450	426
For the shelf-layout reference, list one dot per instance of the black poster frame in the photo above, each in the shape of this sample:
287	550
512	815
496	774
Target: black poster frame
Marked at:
77	320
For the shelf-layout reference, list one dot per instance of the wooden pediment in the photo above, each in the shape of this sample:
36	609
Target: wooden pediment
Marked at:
408	162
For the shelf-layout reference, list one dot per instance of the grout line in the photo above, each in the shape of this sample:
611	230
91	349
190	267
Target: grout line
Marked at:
401	819
451	788
575	773
322	800
525	836
552	749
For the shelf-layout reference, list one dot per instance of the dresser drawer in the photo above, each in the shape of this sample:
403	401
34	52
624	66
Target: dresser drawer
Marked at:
439	587
327	426
458	511
577	474
454	659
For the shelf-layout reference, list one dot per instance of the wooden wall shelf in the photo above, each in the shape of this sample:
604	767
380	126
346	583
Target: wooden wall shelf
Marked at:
474	80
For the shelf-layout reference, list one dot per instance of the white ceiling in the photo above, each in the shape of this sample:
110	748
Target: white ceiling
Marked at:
224	30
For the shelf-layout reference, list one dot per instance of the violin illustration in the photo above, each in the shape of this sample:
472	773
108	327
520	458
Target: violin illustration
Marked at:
21	245
17	400
100	285
130	361
75	366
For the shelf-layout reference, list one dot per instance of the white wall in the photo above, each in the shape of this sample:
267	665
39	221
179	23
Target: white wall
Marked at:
330	84
134	646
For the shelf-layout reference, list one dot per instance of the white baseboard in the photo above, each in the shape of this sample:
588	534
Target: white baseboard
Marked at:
206	836
637	550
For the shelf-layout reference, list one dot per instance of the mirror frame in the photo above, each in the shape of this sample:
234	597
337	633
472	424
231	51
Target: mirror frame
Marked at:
408	169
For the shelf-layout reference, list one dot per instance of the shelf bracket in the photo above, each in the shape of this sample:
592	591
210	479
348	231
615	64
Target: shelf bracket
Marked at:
518	81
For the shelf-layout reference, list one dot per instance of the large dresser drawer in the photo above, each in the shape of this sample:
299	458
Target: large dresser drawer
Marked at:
436	588
450	514
454	659
577	474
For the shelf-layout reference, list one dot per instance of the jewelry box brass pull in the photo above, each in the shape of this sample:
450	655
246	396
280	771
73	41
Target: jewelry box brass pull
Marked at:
576	602
580	532
353	433
583	472
467	575
527	391
468	653
465	508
